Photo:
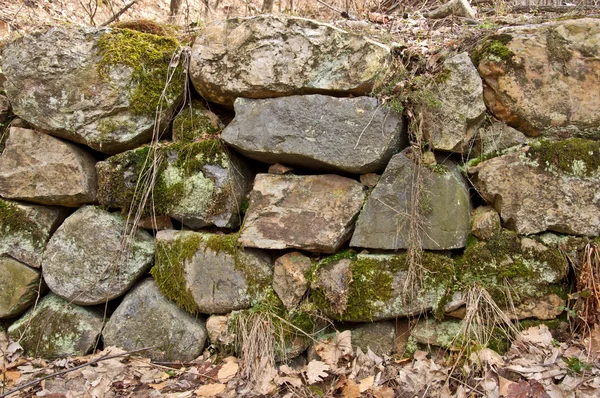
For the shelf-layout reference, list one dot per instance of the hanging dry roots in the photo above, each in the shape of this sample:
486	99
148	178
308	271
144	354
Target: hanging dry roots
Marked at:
588	286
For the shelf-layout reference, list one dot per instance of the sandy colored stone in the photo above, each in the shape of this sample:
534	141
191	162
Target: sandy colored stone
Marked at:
20	285
485	221
289	280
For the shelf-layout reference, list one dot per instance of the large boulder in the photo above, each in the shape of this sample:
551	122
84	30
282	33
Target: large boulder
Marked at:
20	285
56	328
369	287
208	273
42	169
98	87
92	257
438	218
273	56
451	106
353	135
544	79
146	318
314	213
198	183
25	229
546	186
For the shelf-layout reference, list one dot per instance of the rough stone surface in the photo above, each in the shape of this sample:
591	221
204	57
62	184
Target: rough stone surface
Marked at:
57	329
194	121
377	336
84	261
543	308
313	213
485	222
543	79
453	108
353	135
289	280
271	56
42	169
198	183
25	228
371	287
146	318
495	137
459	8
97	87
208	273
218	330
532	199
19	287
441	334
444	204
4	108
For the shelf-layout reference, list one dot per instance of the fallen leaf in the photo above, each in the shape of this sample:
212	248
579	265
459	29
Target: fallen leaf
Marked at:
12	375
315	371
595	341
210	390
332	351
383	392
158	386
292	381
503	385
366	383
351	390
228	371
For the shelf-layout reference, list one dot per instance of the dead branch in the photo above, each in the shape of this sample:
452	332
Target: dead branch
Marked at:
116	16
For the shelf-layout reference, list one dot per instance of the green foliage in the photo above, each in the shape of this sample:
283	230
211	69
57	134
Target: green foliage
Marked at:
576	365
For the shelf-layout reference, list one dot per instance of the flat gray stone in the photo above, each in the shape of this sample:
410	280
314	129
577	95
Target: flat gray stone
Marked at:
20	285
146	318
85	262
379	337
353	135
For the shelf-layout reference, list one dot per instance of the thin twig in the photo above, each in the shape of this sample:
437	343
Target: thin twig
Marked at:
62	372
118	14
330	7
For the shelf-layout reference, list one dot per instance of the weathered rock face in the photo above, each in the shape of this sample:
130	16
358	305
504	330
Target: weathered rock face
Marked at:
370	287
25	228
219	334
289	280
42	169
19	287
495	137
485	222
547	186
197	183
56	329
208	273
544	79
545	307
313	213
444	204
443	334
452	108
354	135
146	318
4	108
377	336
98	87
272	56
85	263
195	122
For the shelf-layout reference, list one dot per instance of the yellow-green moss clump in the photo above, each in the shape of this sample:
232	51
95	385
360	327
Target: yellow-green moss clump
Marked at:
15	221
149	57
494	48
573	157
195	122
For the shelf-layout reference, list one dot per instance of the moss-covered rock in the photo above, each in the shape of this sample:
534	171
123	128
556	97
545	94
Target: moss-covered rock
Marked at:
445	334
198	183
208	273
56	329
194	122
20	286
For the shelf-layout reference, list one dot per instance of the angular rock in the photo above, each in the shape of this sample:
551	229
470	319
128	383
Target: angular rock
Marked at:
273	56
543	79
208	273
546	186
444	204
495	137
146	318
57	329
42	169
452	108
20	286
219	334
289	280
85	261
445	334
459	8
4	108
198	183
370	180
195	122
98	87
379	337
544	308
314	213
485	222
375	287
353	135
25	229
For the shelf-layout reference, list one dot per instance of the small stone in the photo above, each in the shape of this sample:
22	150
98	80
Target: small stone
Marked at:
39	168
314	213
157	223
289	281
458	8
547	307
495	137
218	330
369	180
377	336
485	222
88	262
280	169
20	285
56	328
334	281
443	334
146	318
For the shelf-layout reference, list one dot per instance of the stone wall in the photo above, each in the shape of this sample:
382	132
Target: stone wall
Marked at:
287	180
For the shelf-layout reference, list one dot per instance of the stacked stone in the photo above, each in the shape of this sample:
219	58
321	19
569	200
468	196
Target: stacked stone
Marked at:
332	227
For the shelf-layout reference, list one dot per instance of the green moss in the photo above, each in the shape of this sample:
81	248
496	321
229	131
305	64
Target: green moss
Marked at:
494	48
574	156
14	220
169	268
149	57
193	123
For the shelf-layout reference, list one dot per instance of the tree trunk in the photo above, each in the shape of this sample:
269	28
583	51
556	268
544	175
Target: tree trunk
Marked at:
267	6
175	6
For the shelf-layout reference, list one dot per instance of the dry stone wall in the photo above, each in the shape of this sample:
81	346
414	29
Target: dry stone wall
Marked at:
131	217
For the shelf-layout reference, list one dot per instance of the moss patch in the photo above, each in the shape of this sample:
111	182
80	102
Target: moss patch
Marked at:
494	48
194	122
574	156
14	220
